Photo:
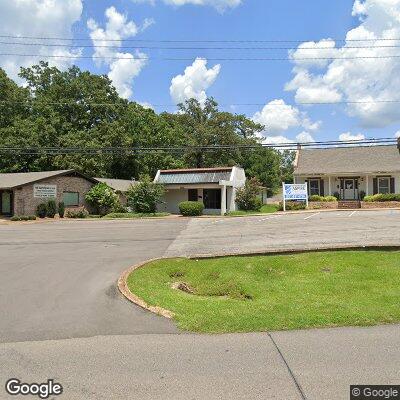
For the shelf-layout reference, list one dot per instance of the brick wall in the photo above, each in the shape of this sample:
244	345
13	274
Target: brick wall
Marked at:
25	203
317	205
380	204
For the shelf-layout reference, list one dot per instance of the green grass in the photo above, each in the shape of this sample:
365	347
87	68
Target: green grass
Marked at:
135	215
265	209
279	292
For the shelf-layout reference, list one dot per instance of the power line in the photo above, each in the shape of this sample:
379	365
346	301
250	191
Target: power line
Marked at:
31	102
133	58
141	47
197	41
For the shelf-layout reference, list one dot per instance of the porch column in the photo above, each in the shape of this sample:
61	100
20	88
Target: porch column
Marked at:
223	200
366	185
329	188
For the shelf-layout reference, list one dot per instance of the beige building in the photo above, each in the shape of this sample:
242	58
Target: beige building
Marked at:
215	187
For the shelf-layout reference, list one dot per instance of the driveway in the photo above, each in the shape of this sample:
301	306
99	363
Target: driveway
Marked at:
61	316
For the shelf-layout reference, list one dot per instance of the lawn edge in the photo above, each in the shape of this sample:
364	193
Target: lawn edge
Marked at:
133	298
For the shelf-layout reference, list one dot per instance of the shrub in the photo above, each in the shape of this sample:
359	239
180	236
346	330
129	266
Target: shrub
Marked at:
81	213
145	195
119	208
41	210
362	194
322	198
292	206
23	218
51	208
191	208
102	198
336	195
382	197
61	209
247	196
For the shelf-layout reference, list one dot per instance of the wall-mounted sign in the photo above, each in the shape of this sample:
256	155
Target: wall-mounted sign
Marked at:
294	192
45	191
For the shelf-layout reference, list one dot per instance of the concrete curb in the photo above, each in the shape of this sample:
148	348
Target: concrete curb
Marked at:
124	289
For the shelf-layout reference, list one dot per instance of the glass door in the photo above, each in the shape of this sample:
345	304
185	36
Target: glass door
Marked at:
6	203
349	189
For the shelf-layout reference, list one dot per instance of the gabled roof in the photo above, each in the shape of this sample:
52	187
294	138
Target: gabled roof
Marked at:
119	185
194	175
348	160
13	180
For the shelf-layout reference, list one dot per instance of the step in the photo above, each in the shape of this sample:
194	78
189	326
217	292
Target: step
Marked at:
349	204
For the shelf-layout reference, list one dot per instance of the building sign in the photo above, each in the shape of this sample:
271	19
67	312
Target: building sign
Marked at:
45	191
294	192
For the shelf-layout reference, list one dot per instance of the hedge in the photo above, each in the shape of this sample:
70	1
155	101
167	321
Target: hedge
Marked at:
292	206
382	197
23	218
323	198
191	208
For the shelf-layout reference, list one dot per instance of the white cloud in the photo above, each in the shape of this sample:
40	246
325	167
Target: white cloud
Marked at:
348	136
355	80
125	66
277	117
220	5
304	137
194	82
45	18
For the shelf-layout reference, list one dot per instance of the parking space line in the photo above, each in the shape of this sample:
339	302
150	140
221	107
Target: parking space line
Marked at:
350	215
312	215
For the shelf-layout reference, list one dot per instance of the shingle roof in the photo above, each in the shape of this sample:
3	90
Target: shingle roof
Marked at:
356	159
120	185
12	180
194	176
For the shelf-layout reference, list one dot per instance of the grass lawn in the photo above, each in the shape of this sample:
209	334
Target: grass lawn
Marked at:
135	215
265	209
242	294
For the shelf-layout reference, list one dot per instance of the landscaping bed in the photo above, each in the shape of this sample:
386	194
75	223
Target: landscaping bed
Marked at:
277	292
380	204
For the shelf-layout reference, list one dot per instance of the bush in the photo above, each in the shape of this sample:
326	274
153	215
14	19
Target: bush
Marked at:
382	197
119	208
292	206
145	195
362	195
102	198
336	195
191	208
61	209
41	210
322	198
51	208
81	213
247	196
23	218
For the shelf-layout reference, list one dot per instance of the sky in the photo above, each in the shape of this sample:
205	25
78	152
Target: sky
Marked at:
145	34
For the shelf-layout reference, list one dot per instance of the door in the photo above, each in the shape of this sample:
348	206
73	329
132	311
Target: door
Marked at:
350	189
6	205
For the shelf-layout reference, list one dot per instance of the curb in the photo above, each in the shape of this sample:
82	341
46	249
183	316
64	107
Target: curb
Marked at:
124	289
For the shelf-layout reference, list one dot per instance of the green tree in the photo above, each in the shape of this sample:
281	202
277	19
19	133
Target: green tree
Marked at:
102	198
145	195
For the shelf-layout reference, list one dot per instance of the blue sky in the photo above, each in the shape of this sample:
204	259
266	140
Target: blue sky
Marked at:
232	82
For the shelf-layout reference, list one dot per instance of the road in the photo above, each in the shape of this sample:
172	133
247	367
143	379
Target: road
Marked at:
61	316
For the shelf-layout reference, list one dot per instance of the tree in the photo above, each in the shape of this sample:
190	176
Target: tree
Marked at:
102	198
247	197
287	167
145	195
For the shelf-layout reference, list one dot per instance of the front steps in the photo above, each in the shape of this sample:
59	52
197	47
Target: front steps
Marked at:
349	204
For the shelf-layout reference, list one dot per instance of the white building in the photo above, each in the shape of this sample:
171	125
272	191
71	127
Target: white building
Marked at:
349	172
215	187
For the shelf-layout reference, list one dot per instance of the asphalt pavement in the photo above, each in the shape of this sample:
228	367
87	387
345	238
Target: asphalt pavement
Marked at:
61	316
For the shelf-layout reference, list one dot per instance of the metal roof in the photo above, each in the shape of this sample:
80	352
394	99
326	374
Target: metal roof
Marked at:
120	185
194	176
345	160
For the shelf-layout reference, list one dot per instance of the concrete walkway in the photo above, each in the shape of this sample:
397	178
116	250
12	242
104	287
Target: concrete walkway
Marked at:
61	317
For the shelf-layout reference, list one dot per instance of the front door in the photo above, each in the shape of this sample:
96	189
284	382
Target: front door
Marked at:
6	203
350	189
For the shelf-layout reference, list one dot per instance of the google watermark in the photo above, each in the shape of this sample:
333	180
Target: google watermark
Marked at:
15	387
375	392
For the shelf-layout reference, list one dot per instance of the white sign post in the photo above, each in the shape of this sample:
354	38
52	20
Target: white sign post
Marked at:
294	192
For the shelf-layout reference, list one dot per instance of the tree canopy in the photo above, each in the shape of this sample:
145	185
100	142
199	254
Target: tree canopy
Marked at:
78	109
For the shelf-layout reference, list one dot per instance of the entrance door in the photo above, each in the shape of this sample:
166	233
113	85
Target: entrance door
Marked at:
350	189
6	203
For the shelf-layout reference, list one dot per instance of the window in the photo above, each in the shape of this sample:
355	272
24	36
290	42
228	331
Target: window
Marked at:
383	185
193	195
212	199
71	199
314	187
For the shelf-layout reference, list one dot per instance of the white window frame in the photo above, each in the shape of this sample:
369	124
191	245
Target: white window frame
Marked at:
381	178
